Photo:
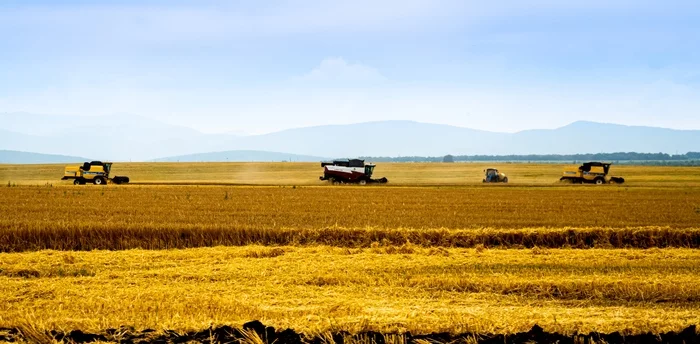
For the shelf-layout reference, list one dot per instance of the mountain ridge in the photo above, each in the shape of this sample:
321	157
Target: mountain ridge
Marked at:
17	157
148	140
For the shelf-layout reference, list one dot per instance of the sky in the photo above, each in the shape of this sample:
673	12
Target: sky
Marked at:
261	66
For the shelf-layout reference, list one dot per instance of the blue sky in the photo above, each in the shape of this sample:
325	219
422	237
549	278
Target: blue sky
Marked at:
261	66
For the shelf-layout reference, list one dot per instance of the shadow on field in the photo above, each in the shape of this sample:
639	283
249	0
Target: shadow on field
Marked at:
256	332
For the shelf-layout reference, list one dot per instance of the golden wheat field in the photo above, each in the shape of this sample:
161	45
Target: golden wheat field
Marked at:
435	250
385	287
290	173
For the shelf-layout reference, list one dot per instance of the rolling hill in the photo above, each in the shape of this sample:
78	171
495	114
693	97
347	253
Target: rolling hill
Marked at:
15	157
404	138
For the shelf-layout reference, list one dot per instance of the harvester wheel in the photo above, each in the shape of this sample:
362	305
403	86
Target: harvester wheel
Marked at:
505	179
599	181
362	182
98	181
77	182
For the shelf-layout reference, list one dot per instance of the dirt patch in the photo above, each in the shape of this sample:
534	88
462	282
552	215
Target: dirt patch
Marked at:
256	332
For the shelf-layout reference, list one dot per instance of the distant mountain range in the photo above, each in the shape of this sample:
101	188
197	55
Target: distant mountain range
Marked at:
14	157
134	138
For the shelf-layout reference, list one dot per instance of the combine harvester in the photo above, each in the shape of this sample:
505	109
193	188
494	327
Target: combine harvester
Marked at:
95	172
349	171
591	172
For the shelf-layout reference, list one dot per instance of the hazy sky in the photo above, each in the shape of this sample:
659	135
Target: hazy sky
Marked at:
260	66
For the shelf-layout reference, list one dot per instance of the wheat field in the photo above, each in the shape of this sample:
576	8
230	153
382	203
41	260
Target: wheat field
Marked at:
384	288
433	251
162	217
295	173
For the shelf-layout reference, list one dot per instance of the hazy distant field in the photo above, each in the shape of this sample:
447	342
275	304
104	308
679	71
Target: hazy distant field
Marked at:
308	173
440	252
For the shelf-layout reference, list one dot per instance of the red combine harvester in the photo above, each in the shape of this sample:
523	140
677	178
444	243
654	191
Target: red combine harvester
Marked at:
349	171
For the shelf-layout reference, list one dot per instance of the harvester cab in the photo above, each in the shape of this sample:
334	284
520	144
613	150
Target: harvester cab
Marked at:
591	172
96	172
369	170
492	175
349	171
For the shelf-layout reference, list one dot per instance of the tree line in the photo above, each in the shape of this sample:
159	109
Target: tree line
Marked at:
690	158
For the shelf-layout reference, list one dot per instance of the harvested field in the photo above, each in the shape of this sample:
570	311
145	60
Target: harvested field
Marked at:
115	217
433	251
382	288
292	173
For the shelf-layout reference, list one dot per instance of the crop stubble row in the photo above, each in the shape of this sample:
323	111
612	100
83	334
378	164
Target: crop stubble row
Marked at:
179	217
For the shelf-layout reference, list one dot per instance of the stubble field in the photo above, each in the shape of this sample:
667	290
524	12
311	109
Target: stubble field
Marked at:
296	173
435	250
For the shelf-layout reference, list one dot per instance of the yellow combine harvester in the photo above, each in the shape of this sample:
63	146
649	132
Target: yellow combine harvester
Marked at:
95	172
591	172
